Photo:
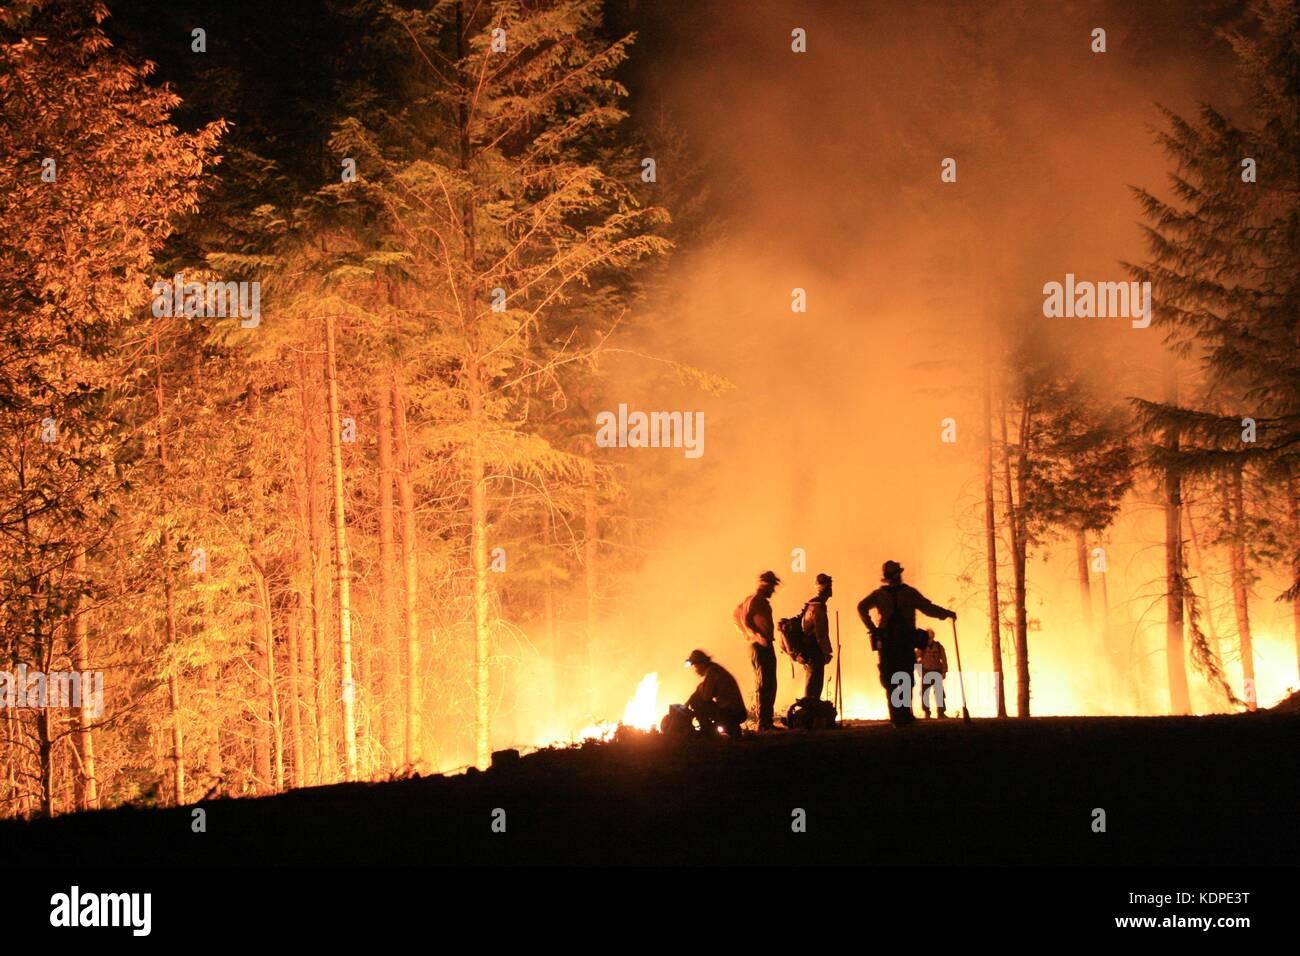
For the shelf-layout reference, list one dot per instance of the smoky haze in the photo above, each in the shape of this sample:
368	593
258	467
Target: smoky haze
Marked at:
823	170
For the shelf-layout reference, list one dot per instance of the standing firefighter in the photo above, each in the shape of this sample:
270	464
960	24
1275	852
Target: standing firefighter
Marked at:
894	637
934	668
817	639
717	701
754	619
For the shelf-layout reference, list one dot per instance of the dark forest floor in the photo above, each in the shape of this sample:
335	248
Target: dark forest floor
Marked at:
1208	790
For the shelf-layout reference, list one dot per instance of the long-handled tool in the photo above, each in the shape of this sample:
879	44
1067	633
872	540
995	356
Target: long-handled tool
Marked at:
839	687
961	680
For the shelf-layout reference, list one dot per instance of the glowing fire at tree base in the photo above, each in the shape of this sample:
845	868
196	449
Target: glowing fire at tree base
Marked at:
641	713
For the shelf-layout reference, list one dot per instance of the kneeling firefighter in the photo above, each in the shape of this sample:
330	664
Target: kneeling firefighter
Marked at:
717	701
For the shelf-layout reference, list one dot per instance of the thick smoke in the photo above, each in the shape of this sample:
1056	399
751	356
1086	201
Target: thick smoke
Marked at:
823	171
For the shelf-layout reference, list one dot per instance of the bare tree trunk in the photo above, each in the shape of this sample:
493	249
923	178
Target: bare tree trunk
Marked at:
1022	547
275	723
210	691
260	732
326	753
1179	696
327	680
591	579
1199	567
87	789
411	588
342	561
991	546
1016	522
478	545
45	750
548	604
1085	584
475	388
44	738
12	731
1241	587
306	683
1105	613
1293	489
273	689
387	563
209	674
174	689
33	615
306	687
294	620
169	597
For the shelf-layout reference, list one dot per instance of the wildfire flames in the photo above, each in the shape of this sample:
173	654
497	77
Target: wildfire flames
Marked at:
641	713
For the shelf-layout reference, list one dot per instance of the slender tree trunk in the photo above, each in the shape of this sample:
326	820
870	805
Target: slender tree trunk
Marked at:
476	389
211	691
991	546
275	725
209	673
387	563
169	596
1016	521
343	564
411	584
1241	587
259	773
1293	488
591	578
262	748
34	612
174	688
45	750
548	605
1105	614
1085	583
1199	567
294	689
478	544
327	678
44	737
1022	547
318	508
12	732
87	789
306	686
1179	696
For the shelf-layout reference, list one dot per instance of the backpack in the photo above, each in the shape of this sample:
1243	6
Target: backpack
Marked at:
811	715
677	723
891	629
793	640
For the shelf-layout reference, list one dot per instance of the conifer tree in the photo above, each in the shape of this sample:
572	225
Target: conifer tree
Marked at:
1222	267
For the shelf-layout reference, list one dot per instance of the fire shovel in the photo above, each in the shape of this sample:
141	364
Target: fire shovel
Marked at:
961	680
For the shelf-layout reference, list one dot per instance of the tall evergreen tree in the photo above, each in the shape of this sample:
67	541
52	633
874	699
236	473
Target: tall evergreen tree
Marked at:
518	218
93	178
1222	267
